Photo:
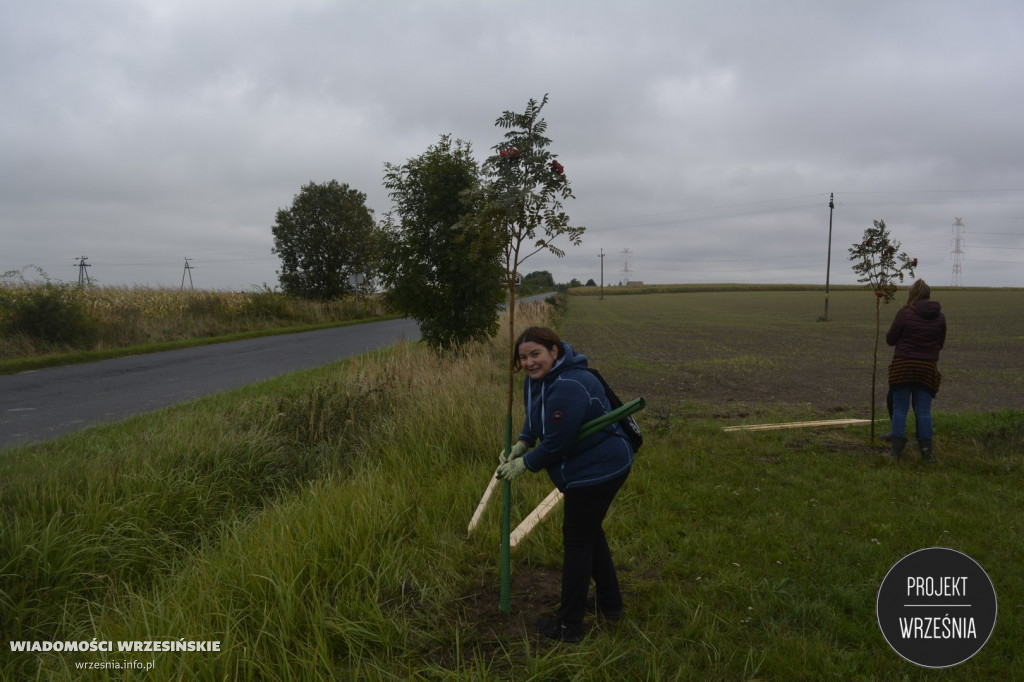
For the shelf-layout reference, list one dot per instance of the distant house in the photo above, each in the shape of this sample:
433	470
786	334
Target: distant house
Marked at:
634	283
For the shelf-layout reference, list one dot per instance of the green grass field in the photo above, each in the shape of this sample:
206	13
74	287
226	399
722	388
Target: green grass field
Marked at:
756	350
315	525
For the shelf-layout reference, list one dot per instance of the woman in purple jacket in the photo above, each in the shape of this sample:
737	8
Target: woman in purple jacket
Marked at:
560	394
918	334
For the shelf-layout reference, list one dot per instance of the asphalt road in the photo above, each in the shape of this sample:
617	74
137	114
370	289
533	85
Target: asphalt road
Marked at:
45	403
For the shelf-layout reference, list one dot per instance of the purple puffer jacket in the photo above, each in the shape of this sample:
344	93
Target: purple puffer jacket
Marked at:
918	333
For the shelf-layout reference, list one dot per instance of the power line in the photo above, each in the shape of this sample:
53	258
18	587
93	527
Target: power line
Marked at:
935	191
781	209
674	223
706	208
931	203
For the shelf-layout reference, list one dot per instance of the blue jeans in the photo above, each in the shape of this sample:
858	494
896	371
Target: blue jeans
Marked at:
901	397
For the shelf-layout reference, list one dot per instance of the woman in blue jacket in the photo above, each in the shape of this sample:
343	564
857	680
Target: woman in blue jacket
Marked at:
560	395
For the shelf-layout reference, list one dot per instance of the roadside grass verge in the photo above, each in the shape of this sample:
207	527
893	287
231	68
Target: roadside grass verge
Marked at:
314	525
96	516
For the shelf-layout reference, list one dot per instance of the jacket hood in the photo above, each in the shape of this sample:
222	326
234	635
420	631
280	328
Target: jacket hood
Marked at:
928	309
570	360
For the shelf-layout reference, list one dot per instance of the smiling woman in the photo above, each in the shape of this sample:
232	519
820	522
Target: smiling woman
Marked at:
561	394
537	357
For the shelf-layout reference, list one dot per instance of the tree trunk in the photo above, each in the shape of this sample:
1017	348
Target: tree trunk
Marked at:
505	602
874	363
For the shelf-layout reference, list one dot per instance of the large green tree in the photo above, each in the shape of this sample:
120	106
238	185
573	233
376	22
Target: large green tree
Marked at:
441	255
325	239
537	282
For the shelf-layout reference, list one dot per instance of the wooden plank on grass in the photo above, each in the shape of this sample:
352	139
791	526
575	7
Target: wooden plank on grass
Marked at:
482	505
796	425
535	517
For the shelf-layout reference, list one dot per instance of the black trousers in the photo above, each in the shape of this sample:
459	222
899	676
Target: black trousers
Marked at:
585	551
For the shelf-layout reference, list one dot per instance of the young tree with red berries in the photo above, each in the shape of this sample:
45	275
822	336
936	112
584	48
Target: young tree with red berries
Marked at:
525	190
879	262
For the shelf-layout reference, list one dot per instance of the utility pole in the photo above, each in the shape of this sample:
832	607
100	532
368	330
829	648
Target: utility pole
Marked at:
83	274
355	280
828	261
188	268
626	271
958	252
601	256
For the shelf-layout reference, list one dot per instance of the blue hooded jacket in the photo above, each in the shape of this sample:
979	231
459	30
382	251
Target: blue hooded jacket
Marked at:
556	406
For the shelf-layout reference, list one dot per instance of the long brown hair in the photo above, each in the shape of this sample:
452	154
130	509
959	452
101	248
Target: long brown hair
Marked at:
540	335
919	291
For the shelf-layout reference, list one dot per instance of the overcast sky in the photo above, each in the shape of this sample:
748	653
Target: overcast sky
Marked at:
704	136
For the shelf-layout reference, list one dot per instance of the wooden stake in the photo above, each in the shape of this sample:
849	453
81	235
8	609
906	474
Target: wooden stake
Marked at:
482	505
796	425
539	513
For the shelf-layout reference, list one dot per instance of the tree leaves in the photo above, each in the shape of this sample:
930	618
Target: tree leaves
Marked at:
526	186
326	236
441	255
879	262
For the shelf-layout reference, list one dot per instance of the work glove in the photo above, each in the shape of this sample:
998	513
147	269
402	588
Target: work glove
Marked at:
518	450
510	469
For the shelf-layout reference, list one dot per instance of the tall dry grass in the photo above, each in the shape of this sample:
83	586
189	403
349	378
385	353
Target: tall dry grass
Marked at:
46	318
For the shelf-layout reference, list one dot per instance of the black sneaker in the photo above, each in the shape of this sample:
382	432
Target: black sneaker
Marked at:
609	614
552	628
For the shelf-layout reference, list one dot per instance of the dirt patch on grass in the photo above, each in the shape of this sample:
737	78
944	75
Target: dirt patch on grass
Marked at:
536	592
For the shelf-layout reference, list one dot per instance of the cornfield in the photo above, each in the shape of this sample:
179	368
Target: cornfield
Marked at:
39	318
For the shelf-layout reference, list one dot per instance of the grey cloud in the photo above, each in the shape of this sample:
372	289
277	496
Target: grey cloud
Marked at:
703	136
